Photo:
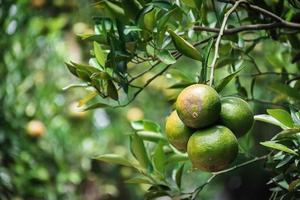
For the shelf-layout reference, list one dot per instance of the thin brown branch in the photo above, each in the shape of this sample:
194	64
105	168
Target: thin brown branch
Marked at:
147	83
218	41
250	27
198	189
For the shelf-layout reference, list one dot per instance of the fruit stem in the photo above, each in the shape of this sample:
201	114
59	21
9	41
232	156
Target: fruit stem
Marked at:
218	41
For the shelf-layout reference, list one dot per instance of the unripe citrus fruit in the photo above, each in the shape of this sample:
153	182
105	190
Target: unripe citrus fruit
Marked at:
237	115
35	128
177	133
213	148
198	106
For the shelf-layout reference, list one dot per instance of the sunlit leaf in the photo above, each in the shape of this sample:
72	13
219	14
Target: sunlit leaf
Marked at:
146	125
158	158
184	46
277	146
99	53
87	98
114	159
222	84
281	115
269	119
166	57
139	151
139	180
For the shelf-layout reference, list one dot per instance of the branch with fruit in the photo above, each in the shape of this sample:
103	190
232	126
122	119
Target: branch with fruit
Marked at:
135	38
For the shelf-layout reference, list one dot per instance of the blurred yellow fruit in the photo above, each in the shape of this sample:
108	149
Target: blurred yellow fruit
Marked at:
38	3
134	114
35	128
75	112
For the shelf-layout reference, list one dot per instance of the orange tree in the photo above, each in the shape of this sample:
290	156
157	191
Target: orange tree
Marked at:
248	49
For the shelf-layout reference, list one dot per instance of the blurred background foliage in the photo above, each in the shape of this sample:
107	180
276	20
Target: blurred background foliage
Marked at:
47	144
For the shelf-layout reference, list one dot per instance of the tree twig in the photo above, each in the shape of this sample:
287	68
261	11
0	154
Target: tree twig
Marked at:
250	27
218	41
198	189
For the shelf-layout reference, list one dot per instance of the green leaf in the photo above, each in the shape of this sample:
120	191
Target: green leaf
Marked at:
100	55
178	176
83	75
139	151
86	68
166	57
139	180
100	75
286	90
165	18
93	37
295	116
281	115
151	136
277	146
131	7
189	3
145	125
149	20
203	75
72	69
96	105
184	46
221	85
175	158
286	133
269	119
115	159
159	158
112	91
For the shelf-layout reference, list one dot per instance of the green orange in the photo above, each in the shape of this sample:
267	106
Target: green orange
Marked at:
237	115
212	149
198	106
177	133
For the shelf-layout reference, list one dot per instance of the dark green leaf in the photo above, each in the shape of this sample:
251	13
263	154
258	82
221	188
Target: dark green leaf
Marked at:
286	90
203	74
221	85
112	91
178	176
96	105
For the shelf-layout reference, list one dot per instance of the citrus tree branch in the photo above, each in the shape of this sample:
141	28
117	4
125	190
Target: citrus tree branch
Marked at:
250	27
218	41
214	175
